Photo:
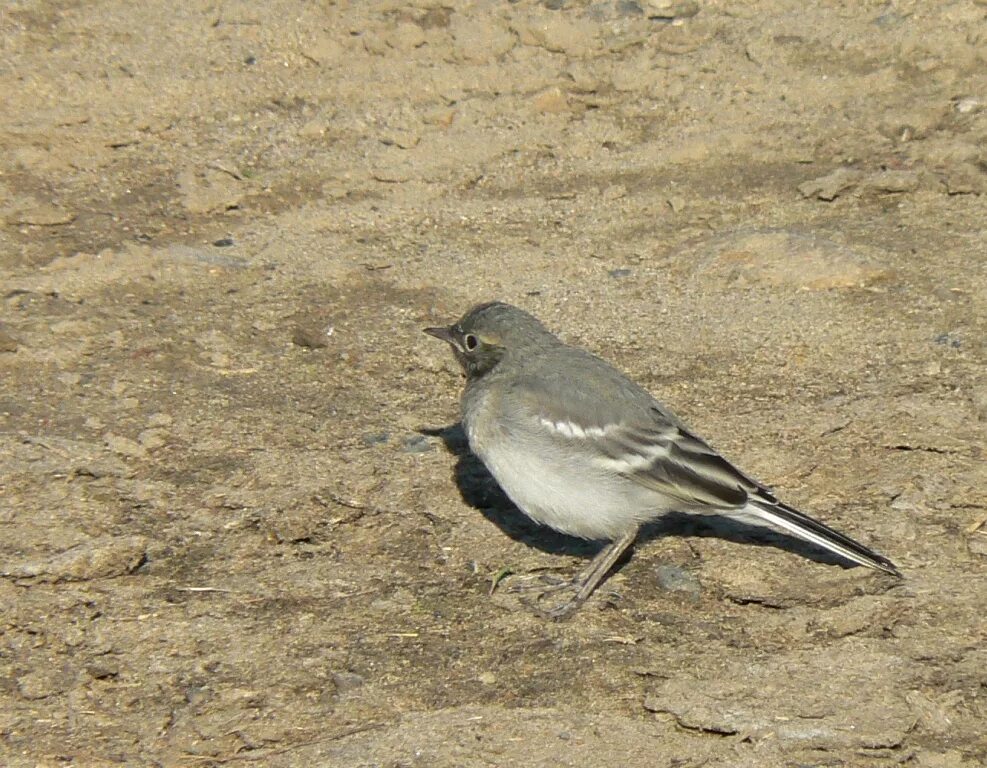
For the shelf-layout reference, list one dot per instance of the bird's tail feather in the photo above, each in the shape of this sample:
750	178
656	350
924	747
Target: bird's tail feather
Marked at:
791	521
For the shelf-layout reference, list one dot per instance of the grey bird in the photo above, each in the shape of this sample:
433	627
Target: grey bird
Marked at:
579	447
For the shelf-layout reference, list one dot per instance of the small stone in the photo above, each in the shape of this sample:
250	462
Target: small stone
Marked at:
480	40
966	179
160	420
41	215
552	100
310	338
375	438
41	684
672	578
893	181
417	444
103	669
314	128
629	8
441	117
223	242
405	37
347	681
324	50
619	272
393	174
7	342
559	34
832	185
584	80
670	9
375	44
153	439
124	446
404	139
979	398
98	558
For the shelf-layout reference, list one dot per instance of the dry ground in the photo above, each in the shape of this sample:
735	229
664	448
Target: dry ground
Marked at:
237	525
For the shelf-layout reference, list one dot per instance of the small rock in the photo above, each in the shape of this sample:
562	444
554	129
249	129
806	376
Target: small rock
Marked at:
559	34
552	100
97	558
153	439
584	80
966	179
160	420
314	128
375	44
223	242
7	342
417	444
310	338
893	181
442	117
480	40
619	272
406	37
41	215
670	9
979	397
103	669
832	185
209	192
375	438
628	8
347	681
324	50
405	139
124	446
947	340
393	174
42	683
977	543
673	578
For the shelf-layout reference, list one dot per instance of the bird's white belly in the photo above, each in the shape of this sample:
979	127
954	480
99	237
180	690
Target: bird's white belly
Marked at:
572	496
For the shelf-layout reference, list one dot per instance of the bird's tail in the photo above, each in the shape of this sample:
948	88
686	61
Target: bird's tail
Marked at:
782	517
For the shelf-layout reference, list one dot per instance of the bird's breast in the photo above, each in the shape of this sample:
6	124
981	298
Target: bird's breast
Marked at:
555	484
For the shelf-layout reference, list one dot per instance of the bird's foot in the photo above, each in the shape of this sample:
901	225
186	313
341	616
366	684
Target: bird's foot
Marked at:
547	594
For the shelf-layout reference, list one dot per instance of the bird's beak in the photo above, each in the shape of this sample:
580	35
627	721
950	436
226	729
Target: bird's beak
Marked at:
440	333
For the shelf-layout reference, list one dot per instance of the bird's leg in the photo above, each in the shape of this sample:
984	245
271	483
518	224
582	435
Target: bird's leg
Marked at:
588	579
580	587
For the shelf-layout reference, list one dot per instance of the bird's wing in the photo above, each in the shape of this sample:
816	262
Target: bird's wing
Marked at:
665	456
633	435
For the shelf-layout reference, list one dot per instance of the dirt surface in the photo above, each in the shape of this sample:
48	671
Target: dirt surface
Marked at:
237	523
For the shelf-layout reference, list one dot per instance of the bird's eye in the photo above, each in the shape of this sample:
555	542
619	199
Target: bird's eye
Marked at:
470	342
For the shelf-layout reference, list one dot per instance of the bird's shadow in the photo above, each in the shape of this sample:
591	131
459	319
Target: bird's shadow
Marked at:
479	489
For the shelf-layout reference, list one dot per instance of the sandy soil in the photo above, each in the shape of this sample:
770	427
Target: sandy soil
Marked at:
237	524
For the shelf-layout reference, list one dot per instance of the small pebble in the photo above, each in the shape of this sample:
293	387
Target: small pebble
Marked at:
417	444
675	579
347	681
310	338
376	438
223	242
947	340
7	342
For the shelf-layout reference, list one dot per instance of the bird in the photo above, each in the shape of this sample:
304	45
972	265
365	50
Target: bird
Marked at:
579	447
